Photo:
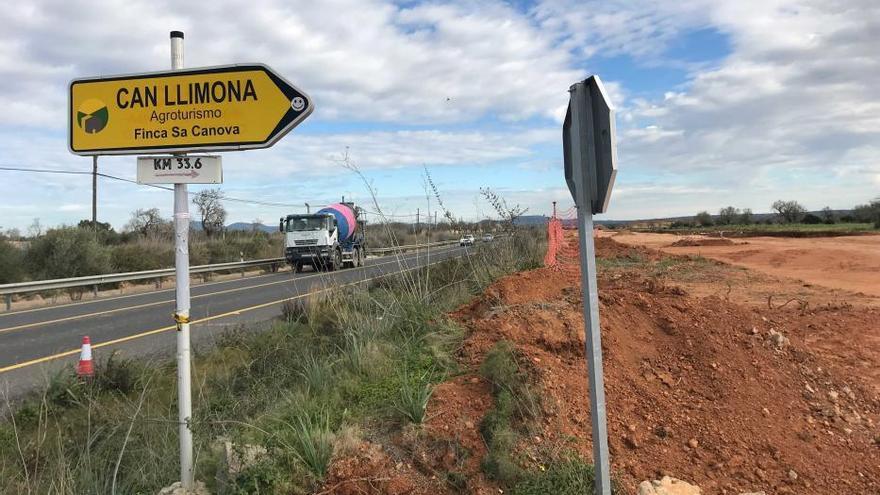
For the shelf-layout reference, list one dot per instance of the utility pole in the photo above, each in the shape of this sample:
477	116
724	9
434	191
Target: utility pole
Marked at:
308	209
95	193
181	314
417	220
554	209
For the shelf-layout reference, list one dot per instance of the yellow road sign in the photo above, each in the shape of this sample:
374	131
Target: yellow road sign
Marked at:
232	107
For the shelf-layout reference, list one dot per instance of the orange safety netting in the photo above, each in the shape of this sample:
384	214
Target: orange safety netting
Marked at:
562	248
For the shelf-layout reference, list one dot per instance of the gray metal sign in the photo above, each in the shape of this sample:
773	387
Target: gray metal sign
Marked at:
589	156
589	144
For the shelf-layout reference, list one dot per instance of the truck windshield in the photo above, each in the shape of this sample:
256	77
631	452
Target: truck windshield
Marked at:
300	224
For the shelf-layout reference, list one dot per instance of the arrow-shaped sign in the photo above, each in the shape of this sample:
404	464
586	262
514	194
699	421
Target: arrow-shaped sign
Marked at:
233	107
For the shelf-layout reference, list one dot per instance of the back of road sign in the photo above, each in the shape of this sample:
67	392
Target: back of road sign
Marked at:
589	144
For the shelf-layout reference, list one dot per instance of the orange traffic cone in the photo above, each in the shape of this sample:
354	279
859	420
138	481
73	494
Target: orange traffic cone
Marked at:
85	368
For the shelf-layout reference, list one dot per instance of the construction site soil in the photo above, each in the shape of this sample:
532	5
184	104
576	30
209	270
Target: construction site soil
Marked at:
732	397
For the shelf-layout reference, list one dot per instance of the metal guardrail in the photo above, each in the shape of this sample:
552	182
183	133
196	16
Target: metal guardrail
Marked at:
8	290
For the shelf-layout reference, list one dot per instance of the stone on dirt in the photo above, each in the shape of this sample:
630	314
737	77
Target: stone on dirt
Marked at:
177	489
668	486
239	457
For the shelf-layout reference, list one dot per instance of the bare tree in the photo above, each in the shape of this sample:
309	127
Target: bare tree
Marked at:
145	222
728	215
788	211
509	214
36	229
209	203
745	218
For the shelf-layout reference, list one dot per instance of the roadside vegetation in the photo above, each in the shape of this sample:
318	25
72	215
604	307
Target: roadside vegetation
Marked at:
789	218
338	366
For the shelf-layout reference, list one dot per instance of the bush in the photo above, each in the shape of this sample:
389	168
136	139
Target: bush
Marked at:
11	258
811	219
142	256
412	401
67	252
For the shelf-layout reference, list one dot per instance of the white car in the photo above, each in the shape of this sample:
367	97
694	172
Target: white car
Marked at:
488	237
466	240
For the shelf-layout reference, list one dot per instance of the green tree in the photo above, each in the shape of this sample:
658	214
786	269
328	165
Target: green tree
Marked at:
789	211
145	222
868	213
67	252
728	215
745	218
703	219
828	215
11	258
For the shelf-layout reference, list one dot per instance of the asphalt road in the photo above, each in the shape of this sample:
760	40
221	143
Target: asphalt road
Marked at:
36	342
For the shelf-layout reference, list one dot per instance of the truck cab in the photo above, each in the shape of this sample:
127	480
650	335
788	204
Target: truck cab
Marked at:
314	240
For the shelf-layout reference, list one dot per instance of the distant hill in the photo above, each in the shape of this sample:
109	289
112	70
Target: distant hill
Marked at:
249	226
531	220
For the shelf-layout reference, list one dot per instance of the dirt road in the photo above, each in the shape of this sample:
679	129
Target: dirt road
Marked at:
850	263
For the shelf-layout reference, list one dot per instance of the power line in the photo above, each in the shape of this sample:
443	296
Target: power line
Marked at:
191	193
122	179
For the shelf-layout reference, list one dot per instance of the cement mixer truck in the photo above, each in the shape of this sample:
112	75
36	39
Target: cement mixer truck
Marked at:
330	239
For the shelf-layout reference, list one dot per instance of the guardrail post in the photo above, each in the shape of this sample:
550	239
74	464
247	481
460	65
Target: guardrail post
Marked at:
95	290
8	302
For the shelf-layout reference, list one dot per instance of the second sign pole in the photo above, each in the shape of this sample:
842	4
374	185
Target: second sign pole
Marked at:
181	315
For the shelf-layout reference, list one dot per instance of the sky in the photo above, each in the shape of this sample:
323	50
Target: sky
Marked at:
717	103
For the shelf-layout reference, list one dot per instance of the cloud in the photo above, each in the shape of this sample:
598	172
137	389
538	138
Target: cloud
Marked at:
379	61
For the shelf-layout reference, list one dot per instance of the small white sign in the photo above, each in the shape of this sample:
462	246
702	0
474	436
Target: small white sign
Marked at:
192	169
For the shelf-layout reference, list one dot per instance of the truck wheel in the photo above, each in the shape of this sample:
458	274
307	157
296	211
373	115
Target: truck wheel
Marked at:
338	264
359	257
298	267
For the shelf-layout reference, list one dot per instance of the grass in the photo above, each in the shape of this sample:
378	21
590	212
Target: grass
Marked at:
567	476
794	229
412	401
358	358
516	406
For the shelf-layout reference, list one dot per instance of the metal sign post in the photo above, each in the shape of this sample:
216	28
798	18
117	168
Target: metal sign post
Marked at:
231	107
589	154
181	314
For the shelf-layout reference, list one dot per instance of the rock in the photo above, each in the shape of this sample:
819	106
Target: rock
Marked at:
753	493
177	489
777	339
668	486
469	425
631	442
833	396
792	475
693	443
237	458
475	380
765	411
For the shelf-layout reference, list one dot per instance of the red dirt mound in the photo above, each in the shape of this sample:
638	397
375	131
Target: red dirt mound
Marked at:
730	398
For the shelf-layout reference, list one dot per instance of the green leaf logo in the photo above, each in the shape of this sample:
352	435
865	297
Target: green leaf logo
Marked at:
92	116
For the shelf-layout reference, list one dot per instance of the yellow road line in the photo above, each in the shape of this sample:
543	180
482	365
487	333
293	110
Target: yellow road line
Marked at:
206	284
202	320
157	303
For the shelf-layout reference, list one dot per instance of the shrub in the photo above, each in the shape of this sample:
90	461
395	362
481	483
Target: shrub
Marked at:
11	258
311	441
412	401
142	256
67	252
